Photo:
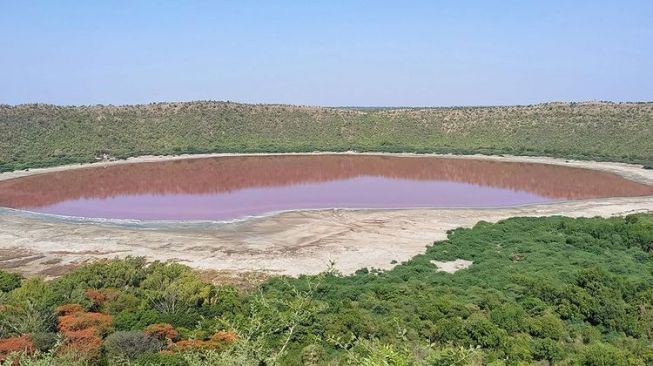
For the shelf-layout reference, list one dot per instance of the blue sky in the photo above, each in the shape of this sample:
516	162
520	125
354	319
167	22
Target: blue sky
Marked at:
373	53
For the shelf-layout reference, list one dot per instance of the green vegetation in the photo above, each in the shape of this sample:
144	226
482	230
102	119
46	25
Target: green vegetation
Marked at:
45	135
541	290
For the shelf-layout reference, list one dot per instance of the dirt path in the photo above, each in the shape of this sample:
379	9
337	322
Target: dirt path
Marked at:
289	243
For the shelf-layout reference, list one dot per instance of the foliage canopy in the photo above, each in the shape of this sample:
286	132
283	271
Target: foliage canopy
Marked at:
549	290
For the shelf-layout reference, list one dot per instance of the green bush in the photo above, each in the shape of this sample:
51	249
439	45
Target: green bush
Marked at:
125	302
547	326
313	355
547	350
44	341
9	281
160	359
603	355
130	320
483	332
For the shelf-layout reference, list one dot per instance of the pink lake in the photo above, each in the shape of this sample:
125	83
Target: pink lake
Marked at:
225	188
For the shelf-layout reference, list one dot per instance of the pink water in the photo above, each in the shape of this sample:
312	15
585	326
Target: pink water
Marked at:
235	187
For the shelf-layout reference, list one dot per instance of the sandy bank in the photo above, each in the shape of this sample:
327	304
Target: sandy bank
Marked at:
289	243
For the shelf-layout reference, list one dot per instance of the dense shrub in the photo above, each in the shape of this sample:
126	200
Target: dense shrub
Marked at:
131	320
483	332
160	359
547	326
603	355
43	342
101	323
121	302
69	309
217	341
128	345
579	294
162	331
82	345
97	297
9	281
11	345
548	350
82	332
313	355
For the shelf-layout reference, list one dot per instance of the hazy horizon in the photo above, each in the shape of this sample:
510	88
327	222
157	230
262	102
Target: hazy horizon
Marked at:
334	54
329	106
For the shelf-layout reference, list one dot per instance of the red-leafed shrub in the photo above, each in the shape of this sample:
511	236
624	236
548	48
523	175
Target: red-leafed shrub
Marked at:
225	337
102	297
79	321
97	297
23	343
162	331
69	309
217	341
190	344
82	332
82	345
77	335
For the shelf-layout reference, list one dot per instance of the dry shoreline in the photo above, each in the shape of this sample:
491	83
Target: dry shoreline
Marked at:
296	242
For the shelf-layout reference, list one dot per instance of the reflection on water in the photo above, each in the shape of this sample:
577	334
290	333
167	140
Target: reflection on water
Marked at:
231	187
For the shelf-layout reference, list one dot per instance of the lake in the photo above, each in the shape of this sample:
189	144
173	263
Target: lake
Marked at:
233	187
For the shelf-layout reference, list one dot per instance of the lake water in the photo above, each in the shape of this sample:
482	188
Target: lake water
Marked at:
225	188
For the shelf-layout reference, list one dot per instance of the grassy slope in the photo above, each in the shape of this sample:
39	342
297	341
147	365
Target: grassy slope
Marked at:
42	135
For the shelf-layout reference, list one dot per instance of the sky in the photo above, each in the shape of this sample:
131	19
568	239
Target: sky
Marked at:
331	53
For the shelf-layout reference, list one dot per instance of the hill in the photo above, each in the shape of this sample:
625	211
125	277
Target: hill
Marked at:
38	135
